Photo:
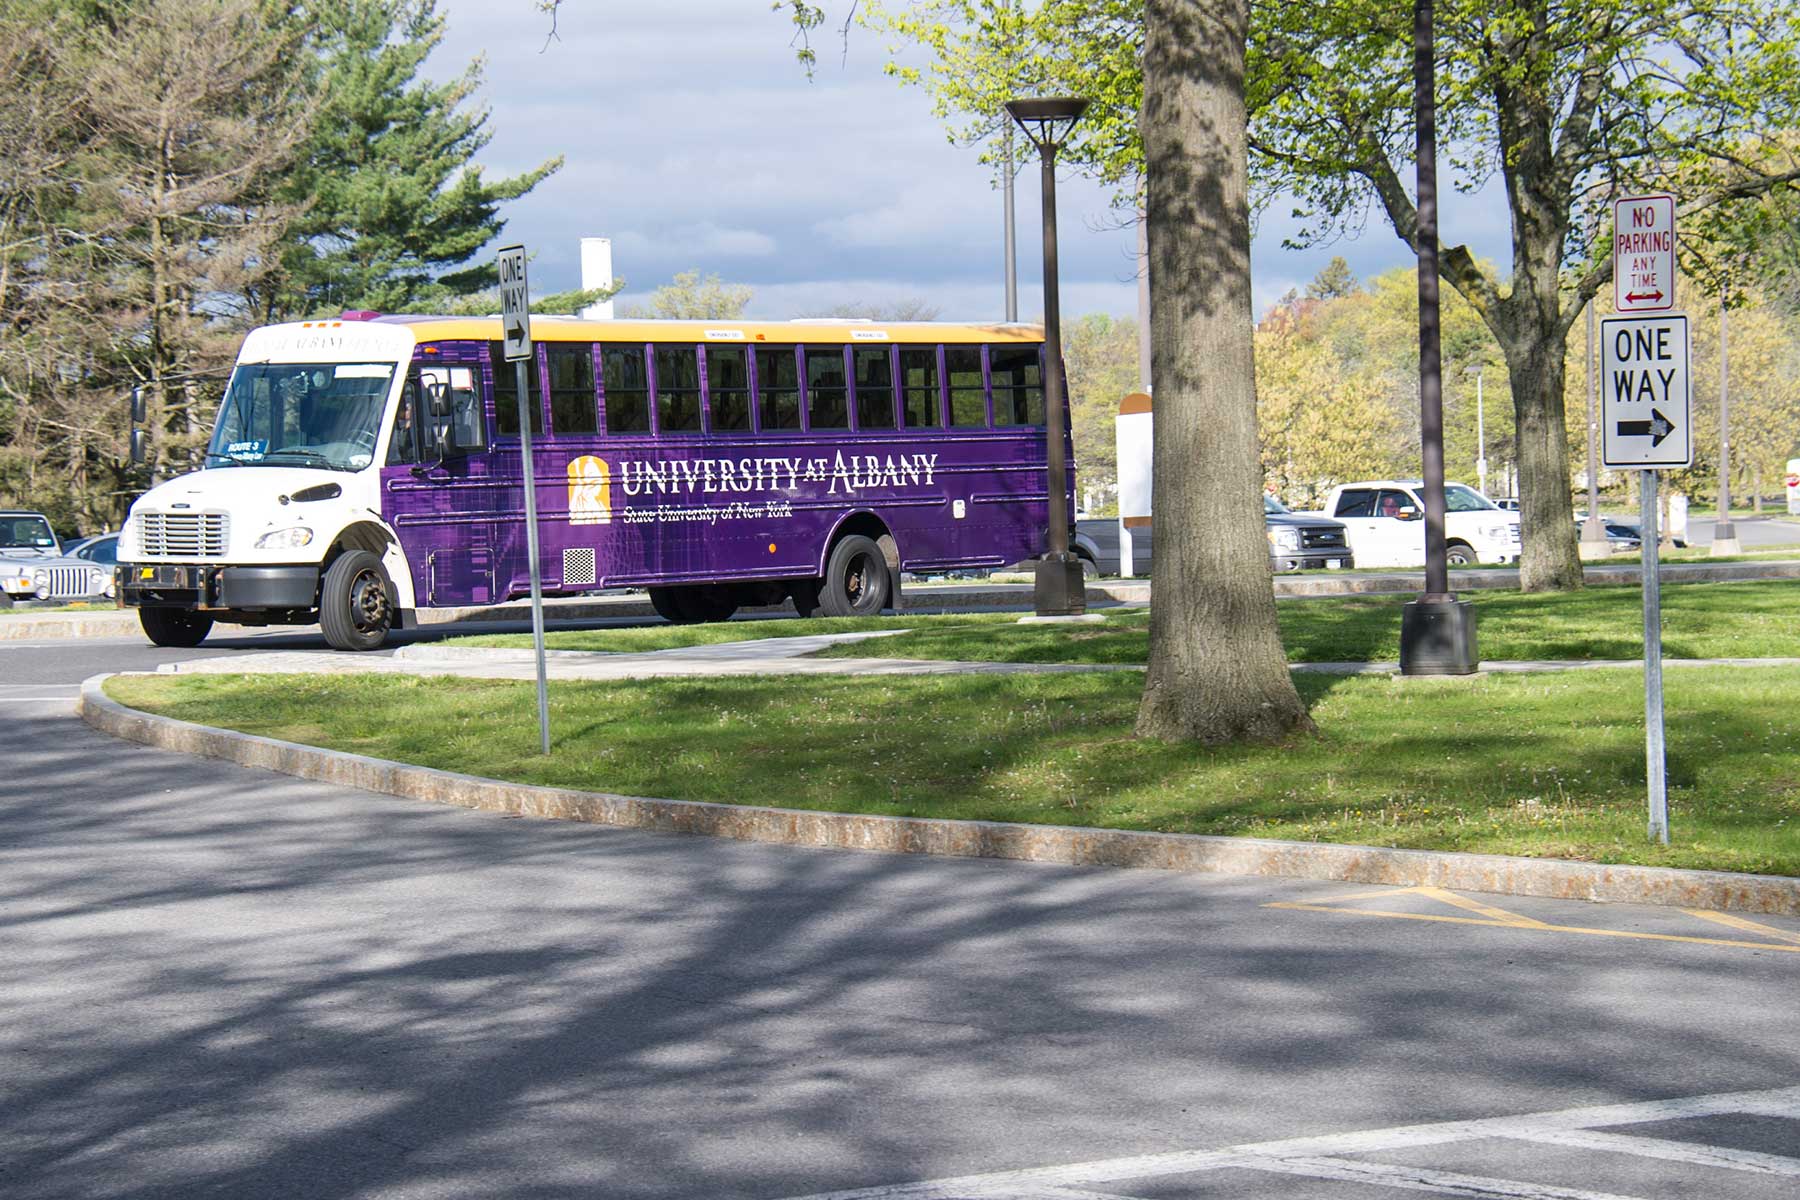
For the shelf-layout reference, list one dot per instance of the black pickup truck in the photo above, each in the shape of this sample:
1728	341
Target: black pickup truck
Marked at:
1296	543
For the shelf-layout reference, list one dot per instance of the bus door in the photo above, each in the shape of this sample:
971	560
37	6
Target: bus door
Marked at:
437	479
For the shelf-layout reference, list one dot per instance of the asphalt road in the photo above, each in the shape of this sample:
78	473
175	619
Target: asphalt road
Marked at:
219	981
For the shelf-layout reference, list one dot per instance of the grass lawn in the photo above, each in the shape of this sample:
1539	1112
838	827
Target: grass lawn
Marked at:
1700	620
1546	765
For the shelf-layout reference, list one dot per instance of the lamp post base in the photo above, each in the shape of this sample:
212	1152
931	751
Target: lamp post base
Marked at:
1057	589
1437	637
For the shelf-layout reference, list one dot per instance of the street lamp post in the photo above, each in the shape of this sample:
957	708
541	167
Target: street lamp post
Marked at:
1057	589
1437	631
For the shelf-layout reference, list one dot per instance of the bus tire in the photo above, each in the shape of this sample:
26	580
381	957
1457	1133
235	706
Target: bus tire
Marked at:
667	603
709	602
805	594
175	626
356	605
856	579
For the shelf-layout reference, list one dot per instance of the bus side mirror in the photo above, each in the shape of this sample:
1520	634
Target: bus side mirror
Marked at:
137	447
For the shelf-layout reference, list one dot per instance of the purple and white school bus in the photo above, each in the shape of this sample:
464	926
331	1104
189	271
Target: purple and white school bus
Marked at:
364	468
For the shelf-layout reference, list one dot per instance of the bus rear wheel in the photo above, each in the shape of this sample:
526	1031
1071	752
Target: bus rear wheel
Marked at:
175	626
856	579
694	604
356	609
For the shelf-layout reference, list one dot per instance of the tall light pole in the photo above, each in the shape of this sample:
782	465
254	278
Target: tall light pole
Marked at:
1011	239
1057	589
1480	432
1725	538
1593	530
1437	631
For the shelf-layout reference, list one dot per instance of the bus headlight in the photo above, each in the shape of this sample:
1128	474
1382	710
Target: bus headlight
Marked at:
291	538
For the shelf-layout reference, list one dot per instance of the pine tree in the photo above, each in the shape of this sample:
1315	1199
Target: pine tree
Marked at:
396	209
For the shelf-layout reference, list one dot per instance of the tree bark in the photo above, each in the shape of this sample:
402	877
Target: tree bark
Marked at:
1217	670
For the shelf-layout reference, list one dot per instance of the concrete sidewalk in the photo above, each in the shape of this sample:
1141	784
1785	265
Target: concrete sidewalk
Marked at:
561	612
768	656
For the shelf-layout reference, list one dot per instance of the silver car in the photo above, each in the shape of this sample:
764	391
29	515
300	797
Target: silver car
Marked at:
33	566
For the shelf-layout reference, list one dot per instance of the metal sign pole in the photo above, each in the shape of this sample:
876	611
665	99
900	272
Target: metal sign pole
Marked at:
515	324
1656	758
531	550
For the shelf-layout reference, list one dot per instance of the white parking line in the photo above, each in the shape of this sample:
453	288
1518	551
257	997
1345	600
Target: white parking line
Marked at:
1320	1157
1687	1152
1424	1179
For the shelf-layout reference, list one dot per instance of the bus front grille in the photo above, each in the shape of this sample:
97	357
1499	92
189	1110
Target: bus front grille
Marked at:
182	535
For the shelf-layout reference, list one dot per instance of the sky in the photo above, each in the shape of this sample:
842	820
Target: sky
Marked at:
694	140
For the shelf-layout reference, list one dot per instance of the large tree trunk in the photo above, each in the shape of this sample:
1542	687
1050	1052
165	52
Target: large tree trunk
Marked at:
1533	335
1217	669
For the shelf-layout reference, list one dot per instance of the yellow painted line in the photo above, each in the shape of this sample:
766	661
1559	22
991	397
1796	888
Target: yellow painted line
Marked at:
1744	923
1387	891
1539	928
1486	910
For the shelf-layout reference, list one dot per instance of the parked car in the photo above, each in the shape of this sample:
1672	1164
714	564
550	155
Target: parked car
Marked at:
34	567
1508	503
102	548
1386	522
1623	534
1296	542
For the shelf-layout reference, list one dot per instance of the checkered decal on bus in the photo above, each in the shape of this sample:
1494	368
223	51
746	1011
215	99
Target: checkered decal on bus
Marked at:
578	566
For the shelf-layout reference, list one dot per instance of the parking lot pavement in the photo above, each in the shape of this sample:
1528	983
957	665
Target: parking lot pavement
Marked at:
1688	1146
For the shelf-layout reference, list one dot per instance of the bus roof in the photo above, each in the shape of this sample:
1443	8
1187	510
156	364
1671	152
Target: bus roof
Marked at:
578	329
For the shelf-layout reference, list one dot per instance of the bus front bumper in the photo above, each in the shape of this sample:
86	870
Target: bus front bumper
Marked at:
205	586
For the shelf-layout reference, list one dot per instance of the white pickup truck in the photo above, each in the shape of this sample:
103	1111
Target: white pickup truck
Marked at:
1385	519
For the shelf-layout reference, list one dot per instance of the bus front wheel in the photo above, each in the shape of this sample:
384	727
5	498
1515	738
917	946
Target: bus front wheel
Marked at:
856	579
175	626
356	609
667	604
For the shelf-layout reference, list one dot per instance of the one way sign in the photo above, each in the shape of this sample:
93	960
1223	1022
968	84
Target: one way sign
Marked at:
515	303
1646	392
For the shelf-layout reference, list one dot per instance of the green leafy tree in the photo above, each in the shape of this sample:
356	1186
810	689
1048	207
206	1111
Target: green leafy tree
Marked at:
396	211
1334	281
689	297
1566	102
1100	352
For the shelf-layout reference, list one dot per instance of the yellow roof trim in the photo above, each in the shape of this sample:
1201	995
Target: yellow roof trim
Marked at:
571	329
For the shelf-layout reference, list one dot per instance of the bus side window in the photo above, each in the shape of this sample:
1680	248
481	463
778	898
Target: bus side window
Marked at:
467	414
919	386
728	388
402	444
874	387
968	396
777	388
572	389
827	391
1018	385
677	389
627	389
506	393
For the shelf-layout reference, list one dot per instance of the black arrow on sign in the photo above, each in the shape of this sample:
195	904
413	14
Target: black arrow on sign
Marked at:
1656	428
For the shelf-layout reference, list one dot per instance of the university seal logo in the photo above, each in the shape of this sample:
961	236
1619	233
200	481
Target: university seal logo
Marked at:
590	491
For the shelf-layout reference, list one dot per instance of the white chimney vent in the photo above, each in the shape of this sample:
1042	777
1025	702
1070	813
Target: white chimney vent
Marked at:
597	272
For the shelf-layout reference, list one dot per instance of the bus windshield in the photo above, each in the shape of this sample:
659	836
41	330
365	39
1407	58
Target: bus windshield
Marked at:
301	415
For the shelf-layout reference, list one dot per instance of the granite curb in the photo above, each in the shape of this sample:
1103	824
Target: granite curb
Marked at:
1196	853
